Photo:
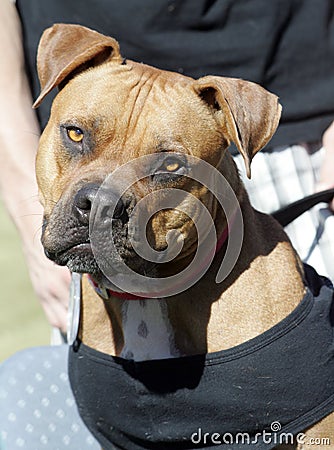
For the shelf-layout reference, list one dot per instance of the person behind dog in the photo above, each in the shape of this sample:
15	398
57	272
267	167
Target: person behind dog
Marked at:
19	140
269	43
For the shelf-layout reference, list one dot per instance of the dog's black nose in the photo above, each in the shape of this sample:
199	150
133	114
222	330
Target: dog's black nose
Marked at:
108	201
83	201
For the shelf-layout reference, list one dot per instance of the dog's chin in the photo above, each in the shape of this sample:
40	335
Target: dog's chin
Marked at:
83	264
78	258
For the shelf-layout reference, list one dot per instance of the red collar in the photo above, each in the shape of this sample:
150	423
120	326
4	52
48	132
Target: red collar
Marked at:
107	293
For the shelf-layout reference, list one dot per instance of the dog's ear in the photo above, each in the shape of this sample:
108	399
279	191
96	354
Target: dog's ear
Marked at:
248	113
64	49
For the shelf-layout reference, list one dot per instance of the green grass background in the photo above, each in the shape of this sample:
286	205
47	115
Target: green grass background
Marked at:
22	321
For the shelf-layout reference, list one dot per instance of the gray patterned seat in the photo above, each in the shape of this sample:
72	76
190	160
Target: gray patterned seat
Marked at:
37	409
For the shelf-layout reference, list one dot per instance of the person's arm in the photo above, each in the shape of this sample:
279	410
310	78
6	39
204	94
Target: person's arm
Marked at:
19	135
326	180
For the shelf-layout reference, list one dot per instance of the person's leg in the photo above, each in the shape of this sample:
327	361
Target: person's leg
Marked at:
37	408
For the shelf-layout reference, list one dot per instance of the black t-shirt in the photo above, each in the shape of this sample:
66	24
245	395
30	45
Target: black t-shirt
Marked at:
287	46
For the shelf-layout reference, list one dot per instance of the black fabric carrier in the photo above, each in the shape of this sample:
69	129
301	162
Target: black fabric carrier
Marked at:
285	376
287	46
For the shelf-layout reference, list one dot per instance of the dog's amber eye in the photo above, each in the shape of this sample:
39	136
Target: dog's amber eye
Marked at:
75	134
172	166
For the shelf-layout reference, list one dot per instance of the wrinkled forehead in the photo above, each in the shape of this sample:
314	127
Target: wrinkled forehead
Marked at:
124	102
127	91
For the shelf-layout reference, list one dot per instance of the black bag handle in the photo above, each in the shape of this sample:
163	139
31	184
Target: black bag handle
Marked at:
290	212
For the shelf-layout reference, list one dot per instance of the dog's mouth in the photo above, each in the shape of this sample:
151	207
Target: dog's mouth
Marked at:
78	257
60	256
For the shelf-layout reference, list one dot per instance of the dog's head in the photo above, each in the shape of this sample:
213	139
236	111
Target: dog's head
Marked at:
110	112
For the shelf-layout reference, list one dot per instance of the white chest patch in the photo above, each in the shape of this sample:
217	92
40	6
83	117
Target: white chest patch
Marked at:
147	331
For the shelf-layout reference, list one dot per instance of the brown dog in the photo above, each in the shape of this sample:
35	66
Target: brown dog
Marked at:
110	112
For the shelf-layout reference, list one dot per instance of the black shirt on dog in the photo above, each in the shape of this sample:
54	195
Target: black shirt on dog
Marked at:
248	396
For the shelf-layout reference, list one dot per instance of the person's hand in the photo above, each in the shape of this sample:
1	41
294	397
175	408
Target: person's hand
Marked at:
326	180
51	284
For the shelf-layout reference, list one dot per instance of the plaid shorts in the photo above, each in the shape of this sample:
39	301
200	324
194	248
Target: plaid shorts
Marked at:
287	174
